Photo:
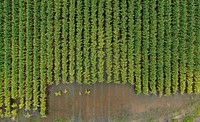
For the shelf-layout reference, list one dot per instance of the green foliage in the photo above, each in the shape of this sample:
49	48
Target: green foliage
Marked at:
58	93
174	47
137	48
22	27
43	68
100	33
36	56
86	42
71	41
93	41
57	50
65	35
116	55
15	38
188	119
160	46
145	47
59	120
29	54
50	41
65	91
130	41
14	114
152	45
167	47
123	41
108	38
7	56
79	41
27	115
182	46
197	48
1	55
190	45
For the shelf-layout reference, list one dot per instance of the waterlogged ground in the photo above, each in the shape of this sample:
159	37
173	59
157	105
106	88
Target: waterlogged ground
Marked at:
110	102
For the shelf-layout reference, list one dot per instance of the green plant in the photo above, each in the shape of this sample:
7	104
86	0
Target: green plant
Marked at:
50	42
7	56
174	47
130	42
22	27
167	47
65	44
100	41
86	42
79	41
15	37
71	41
36	56
182	46
190	45
59	120
145	47
116	55
93	41
137	46
160	47
152	46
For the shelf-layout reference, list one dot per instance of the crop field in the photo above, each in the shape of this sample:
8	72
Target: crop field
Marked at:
152	45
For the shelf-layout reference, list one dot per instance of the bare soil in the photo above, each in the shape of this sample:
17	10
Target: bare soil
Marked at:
111	101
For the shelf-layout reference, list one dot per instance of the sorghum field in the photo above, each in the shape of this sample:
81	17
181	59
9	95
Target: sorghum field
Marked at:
152	45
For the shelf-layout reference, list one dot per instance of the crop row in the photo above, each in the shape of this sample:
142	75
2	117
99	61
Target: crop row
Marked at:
153	45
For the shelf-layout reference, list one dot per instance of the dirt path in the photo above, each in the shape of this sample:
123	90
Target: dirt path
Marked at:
111	101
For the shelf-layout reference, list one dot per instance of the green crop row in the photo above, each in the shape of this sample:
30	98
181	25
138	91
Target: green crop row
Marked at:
65	44
145	47
167	47
36	56
153	45
100	40
15	39
182	46
197	48
50	41
116	54
7	55
43	61
108	38
190	45
22	42
137	46
160	45
174	47
29	54
93	41
57	42
130	13
123	41
1	57
86	40
71	41
79	40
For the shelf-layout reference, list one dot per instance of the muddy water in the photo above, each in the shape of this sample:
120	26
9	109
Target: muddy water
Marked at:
108	102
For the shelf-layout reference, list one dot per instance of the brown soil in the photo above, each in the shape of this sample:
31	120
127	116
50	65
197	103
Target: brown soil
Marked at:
110	101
